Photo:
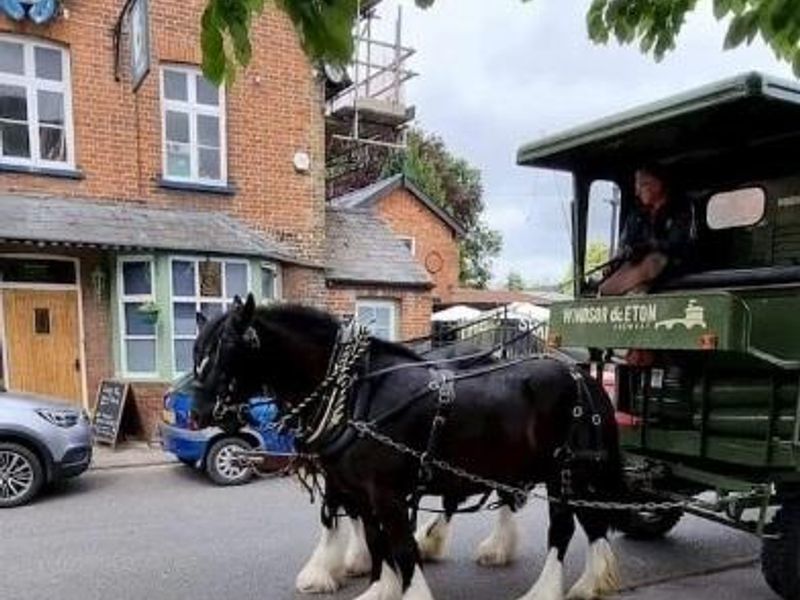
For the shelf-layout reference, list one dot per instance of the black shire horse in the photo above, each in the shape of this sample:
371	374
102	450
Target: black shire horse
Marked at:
529	421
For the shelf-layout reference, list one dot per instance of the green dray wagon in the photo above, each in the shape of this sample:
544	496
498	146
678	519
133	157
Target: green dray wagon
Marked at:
718	405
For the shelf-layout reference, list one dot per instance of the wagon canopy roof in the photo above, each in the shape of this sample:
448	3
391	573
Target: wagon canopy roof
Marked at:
710	125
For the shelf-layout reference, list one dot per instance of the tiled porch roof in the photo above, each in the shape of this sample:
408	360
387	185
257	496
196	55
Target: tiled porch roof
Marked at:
124	225
362	250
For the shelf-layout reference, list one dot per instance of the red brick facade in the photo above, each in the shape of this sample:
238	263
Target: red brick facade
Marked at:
413	306
273	111
435	243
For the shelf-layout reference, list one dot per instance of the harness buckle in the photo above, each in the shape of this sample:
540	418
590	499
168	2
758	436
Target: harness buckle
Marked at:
577	412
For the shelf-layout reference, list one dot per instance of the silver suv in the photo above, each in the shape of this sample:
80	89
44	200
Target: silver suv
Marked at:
41	441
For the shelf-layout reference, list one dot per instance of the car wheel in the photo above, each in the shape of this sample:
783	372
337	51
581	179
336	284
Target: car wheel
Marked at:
644	525
222	465
21	475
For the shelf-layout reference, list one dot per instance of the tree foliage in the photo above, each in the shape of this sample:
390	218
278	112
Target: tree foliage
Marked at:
656	24
325	27
456	186
515	282
597	253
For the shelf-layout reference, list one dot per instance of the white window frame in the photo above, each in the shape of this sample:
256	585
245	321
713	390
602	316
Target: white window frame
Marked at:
412	245
32	85
197	299
122	299
383	303
276	270
192	108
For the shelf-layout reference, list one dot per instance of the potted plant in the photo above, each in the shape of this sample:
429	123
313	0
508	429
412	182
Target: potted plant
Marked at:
149	312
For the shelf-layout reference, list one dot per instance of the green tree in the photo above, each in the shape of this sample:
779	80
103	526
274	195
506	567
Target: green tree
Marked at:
597	253
515	282
325	27
456	186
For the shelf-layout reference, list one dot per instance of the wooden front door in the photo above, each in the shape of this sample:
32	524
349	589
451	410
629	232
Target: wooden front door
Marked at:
43	343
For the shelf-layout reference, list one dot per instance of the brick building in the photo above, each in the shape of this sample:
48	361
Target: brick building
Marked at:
123	213
372	275
429	233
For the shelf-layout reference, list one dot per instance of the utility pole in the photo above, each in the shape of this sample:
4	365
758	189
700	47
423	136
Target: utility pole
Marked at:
614	202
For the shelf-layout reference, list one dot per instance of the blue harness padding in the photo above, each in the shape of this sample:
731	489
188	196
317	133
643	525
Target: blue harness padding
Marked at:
38	11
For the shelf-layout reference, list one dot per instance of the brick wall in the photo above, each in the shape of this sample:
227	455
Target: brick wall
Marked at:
273	110
414	313
407	216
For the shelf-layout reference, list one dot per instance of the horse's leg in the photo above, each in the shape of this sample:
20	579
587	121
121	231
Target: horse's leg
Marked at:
550	585
325	570
500	548
357	557
384	584
600	575
401	577
433	537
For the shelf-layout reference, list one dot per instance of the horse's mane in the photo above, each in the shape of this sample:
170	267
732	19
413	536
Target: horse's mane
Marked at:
299	316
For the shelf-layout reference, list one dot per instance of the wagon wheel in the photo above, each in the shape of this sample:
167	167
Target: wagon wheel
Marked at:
649	525
780	557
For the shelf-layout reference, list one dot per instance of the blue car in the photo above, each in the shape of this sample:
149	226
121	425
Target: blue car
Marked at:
212	449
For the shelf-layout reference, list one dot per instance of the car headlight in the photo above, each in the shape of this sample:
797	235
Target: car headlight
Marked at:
59	417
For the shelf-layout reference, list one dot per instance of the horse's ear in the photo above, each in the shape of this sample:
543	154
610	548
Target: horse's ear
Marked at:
237	301
201	320
249	309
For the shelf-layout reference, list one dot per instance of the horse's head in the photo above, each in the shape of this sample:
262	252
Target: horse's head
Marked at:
225	355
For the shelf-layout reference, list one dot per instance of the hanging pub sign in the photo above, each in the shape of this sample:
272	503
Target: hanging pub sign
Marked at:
140	41
37	11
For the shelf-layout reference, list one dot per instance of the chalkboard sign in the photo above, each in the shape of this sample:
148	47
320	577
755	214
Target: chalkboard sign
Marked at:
111	397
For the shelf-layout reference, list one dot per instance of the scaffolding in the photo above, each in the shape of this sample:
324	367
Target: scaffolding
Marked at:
368	106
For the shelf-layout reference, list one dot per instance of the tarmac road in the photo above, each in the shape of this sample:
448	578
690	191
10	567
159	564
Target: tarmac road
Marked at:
165	532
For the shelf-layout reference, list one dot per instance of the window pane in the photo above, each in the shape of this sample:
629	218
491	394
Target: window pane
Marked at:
13	103
183	355
267	284
178	161
209	164
383	317
14	140
210	279
737	208
52	144
183	278
141	356
211	309
177	127
11	58
48	63
208	131
51	107
136	322
175	85
185	318
236	280
136	278
207	92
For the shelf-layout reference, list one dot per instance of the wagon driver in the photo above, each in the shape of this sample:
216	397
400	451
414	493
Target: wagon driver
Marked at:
655	240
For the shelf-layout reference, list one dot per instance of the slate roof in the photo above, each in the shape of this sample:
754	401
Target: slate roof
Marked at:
367	196
124	225
362	249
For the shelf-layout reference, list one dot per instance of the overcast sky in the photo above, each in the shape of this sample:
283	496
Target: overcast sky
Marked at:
495	74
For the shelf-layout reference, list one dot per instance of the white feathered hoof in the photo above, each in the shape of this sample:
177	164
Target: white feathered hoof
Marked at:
325	571
357	561
600	577
432	539
314	579
388	587
500	548
550	585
